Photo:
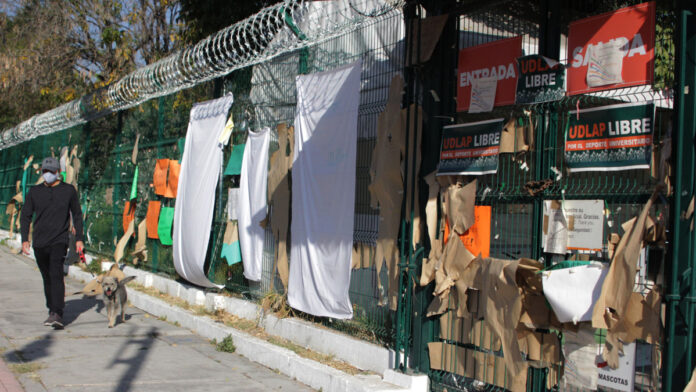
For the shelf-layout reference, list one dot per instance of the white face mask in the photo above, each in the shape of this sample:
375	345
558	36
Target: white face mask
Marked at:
49	177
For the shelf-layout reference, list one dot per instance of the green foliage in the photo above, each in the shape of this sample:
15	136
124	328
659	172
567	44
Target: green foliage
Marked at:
94	267
226	345
665	23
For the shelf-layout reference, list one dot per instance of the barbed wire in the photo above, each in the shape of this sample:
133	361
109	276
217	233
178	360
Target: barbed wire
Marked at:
273	31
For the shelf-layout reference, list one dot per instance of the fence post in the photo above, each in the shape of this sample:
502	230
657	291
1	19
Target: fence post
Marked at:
681	298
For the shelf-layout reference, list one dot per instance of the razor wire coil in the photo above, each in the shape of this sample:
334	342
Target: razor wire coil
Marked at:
256	39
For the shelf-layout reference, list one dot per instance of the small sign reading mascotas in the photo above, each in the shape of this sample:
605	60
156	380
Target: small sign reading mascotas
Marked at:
541	79
609	138
470	149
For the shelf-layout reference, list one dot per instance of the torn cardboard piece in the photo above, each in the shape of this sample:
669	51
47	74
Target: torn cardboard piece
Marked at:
134	155
459	207
452	270
618	285
279	197
121	245
386	186
477	365
140	252
513	138
430	30
363	255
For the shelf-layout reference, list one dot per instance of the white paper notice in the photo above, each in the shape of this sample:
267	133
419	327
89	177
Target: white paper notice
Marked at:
572	292
580	351
623	378
232	201
482	94
555	237
605	64
588	224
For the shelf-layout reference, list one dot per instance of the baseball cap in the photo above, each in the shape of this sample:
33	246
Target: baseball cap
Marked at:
50	164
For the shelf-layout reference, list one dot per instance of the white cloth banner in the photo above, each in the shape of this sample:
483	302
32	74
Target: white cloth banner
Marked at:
200	170
323	191
251	205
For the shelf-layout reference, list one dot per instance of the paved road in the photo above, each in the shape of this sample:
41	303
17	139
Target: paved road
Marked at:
143	354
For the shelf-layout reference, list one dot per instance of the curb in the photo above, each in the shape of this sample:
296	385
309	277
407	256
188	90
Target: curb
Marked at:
8	381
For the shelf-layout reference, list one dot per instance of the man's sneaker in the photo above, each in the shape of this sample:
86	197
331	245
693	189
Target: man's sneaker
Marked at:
55	321
49	321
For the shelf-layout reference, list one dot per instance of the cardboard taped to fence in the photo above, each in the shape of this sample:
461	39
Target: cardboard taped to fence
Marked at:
477	365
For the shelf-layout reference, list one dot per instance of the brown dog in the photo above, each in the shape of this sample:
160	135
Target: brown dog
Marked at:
115	295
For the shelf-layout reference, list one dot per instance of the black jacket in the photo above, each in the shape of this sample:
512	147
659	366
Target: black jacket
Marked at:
52	206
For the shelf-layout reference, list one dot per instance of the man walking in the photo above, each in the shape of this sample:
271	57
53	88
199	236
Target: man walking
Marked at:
52	204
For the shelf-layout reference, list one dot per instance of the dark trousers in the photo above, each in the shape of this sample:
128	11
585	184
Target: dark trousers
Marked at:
50	262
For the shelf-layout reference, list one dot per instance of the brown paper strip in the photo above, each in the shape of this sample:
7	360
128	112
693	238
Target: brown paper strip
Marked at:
121	245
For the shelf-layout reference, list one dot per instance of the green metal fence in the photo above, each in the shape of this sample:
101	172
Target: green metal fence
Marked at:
265	96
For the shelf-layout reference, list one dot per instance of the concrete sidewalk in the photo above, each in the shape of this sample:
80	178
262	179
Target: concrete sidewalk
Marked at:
143	354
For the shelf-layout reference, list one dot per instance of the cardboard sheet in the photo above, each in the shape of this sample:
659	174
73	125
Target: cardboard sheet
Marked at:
430	30
691	386
363	255
413	119
501	306
618	285
159	178
453	270
386	187
140	251
513	138
279	197
234	164
134	155
476	365
459	207
173	179
572	292
123	241
109	196
164	226
231	233
429	264
152	218
431	206
128	214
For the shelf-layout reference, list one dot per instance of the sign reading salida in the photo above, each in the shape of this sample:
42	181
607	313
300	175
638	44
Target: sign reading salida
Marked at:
631	30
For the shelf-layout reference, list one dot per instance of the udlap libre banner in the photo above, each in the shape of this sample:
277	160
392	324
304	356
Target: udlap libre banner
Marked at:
609	138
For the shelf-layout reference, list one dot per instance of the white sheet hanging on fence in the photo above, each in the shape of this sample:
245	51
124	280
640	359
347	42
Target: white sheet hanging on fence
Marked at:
323	191
251	206
198	177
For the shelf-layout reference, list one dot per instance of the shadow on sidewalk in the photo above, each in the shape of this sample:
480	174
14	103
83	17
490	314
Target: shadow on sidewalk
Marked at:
33	351
75	307
142	347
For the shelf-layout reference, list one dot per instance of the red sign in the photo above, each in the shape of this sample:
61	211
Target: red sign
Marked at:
495	59
631	28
